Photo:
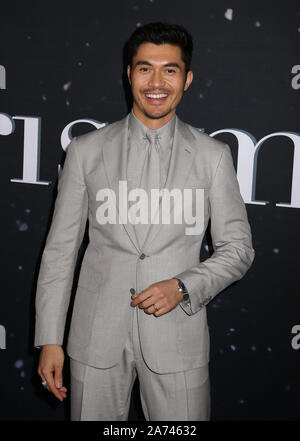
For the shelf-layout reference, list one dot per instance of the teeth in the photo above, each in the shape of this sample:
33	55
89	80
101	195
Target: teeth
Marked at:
151	95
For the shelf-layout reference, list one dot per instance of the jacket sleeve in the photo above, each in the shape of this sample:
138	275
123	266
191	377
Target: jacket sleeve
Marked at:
60	253
231	238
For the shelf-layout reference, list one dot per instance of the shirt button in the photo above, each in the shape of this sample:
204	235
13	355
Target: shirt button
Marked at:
142	256
132	290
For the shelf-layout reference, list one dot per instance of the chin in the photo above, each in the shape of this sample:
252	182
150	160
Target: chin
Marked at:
158	114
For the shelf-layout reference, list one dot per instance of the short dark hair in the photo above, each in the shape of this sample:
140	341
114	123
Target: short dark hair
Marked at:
160	33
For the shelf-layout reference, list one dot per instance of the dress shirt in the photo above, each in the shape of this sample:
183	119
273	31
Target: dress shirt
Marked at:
137	150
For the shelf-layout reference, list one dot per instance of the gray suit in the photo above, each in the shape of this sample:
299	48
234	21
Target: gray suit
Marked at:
114	264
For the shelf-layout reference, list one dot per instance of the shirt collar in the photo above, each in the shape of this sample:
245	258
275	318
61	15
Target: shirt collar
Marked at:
138	129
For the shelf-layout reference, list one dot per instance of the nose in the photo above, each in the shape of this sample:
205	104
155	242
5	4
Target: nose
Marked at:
156	80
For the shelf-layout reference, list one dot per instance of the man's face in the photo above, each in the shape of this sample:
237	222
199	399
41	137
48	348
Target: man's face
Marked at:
157	80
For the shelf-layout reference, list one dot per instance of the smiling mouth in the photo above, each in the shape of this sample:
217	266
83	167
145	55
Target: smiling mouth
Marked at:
156	98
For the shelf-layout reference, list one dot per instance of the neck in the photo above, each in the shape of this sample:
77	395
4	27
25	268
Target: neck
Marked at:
152	123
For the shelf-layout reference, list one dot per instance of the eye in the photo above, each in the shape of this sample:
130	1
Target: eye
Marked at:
144	69
170	70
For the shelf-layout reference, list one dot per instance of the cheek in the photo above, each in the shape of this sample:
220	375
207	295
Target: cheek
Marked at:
180	91
136	84
177	87
178	94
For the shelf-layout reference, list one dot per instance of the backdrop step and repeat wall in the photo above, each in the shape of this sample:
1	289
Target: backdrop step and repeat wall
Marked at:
62	73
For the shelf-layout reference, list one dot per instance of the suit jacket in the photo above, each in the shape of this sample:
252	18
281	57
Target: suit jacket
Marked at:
113	263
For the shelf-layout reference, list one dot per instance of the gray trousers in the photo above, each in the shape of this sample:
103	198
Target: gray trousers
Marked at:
103	394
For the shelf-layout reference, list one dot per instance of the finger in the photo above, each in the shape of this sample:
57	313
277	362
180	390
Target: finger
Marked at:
146	299
148	304
63	391
137	298
160	311
43	378
41	375
64	395
58	377
140	297
51	385
151	309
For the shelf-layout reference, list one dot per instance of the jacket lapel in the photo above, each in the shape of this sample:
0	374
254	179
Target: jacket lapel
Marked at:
114	152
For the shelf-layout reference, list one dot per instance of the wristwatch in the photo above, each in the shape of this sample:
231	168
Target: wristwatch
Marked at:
182	289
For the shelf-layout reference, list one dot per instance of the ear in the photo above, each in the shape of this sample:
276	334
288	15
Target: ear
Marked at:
128	74
189	79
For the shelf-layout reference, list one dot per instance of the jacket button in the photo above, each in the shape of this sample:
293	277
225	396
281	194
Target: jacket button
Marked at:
132	290
142	256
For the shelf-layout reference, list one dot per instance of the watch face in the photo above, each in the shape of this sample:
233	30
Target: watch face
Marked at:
180	284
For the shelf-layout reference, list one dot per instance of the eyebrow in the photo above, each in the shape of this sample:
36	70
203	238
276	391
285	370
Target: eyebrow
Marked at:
143	62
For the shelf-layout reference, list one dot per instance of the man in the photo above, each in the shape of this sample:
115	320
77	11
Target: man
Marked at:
140	304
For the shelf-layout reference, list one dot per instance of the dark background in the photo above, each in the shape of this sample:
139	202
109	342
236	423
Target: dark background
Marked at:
242	79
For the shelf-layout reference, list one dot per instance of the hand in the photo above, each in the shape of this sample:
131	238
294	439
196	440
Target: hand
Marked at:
51	361
165	295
